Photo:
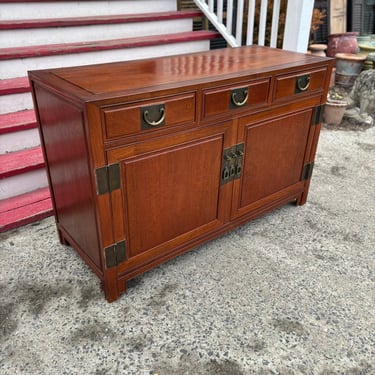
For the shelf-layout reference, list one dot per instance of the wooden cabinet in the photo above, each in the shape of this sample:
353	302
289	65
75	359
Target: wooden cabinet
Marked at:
148	159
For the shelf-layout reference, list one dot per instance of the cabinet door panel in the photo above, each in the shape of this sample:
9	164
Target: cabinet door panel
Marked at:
273	158
171	194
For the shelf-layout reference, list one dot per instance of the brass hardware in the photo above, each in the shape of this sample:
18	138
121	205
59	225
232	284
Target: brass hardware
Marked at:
115	254
232	163
230	156
154	123
228	168
107	178
307	171
317	117
302	83
238	169
239	161
225	175
239	97
150	113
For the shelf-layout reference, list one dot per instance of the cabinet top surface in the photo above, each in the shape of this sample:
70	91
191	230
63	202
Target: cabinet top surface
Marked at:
190	68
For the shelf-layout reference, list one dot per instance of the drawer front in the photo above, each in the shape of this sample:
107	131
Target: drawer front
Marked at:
147	116
242	96
292	85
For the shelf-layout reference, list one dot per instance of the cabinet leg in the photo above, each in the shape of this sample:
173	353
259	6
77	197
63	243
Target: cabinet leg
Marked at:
62	239
121	287
302	198
109	284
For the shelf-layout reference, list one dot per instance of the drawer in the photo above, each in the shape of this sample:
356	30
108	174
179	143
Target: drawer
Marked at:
242	96
147	116
292	85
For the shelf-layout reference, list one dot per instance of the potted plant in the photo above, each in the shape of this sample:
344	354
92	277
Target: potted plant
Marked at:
335	107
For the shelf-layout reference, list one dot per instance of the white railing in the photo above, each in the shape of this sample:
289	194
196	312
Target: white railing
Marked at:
230	17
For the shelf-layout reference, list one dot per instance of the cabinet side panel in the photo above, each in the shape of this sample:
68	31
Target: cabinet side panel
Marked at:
66	155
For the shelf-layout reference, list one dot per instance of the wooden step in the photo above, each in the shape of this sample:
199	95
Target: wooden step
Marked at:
96	20
21	9
17	121
13	63
86	29
14	85
24	209
18	131
80	47
14	97
15	163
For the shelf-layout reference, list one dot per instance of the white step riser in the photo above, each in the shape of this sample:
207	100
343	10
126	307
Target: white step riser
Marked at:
19	11
19	67
57	35
23	183
15	102
19	140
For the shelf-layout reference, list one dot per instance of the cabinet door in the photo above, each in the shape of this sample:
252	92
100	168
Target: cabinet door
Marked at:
275	151
170	191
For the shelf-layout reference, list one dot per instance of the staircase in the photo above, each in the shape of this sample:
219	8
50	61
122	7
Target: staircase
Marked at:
31	37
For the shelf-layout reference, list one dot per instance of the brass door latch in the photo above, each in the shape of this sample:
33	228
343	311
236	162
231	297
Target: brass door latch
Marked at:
232	163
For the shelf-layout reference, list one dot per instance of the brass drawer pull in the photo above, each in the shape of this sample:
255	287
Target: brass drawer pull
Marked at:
150	122
303	83
245	94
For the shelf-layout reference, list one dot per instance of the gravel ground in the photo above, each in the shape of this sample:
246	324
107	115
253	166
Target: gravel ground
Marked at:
292	292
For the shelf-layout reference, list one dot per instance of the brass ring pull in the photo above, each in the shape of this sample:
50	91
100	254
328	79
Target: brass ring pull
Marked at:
303	81
243	102
154	123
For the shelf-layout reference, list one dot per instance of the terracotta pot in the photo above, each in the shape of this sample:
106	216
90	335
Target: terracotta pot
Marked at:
348	67
342	43
334	112
318	49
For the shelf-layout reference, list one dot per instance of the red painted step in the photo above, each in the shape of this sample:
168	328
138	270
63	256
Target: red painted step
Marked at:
14	85
79	47
17	121
25	209
18	162
97	20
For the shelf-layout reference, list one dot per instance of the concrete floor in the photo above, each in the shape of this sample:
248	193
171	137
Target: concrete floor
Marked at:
292	292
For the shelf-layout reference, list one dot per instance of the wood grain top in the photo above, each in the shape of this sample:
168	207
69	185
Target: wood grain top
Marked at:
191	68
